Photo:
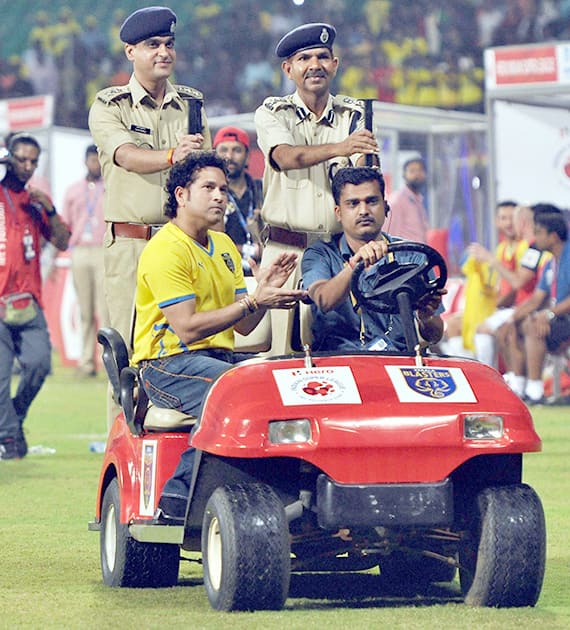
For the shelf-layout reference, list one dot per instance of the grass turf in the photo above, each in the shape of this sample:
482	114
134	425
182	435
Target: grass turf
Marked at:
50	575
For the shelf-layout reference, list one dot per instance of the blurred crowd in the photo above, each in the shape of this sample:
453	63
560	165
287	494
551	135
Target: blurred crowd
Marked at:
425	52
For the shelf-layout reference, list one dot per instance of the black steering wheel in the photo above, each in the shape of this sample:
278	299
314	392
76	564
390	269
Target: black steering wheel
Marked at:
378	288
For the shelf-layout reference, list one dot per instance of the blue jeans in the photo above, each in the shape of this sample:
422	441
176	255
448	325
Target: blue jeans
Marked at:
181	382
30	344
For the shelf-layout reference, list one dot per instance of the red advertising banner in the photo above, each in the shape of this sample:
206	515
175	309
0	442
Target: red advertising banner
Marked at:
525	65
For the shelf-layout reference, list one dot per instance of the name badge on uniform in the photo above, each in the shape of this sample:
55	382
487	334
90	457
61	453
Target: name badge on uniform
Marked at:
140	129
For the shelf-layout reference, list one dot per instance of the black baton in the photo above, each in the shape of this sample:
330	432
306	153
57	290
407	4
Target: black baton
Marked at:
195	116
368	124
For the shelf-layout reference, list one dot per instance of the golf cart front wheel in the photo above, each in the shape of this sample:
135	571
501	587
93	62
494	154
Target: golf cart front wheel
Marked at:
502	559
245	548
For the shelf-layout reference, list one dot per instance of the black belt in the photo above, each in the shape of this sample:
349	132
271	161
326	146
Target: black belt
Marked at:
287	237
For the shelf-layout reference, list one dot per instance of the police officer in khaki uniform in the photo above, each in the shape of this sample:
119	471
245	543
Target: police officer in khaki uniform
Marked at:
140	130
306	137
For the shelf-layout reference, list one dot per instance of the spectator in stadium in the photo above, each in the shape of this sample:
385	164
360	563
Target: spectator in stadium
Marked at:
83	212
548	330
508	254
243	221
184	334
509	337
305	137
328	266
408	216
28	216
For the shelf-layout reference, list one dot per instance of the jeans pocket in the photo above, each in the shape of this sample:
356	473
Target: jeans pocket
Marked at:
155	380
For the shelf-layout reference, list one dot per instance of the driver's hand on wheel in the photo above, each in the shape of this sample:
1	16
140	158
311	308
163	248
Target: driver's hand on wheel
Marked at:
370	253
429	304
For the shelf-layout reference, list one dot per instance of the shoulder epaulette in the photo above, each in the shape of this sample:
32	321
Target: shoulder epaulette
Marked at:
188	92
273	103
113	93
346	102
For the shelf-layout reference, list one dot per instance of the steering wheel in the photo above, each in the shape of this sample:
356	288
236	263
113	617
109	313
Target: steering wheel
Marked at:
378	288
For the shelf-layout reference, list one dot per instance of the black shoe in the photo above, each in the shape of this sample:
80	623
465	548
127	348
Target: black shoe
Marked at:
8	449
171	511
21	444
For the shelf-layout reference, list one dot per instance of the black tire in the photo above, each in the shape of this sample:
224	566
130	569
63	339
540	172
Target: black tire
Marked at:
127	562
246	549
407	569
502	560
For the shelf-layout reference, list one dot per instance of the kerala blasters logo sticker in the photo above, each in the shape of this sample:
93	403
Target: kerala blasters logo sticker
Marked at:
433	383
317	386
229	261
430	384
148	477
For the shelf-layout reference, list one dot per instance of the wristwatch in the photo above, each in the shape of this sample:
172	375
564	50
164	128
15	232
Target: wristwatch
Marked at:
52	212
551	315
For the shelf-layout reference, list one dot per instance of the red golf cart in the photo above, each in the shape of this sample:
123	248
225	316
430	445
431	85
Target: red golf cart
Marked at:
409	462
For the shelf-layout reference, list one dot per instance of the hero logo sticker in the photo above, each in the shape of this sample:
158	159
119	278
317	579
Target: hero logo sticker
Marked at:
423	384
317	386
148	478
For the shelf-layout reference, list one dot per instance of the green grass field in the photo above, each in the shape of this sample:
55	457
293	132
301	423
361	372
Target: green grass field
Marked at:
50	575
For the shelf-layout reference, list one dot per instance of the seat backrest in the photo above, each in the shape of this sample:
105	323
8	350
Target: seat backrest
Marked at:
115	358
259	339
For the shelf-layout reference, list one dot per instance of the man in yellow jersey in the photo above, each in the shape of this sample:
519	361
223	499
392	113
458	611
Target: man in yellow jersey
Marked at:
190	297
328	267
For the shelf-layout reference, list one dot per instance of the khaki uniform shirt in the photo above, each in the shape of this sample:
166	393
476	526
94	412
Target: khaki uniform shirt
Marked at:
128	114
301	199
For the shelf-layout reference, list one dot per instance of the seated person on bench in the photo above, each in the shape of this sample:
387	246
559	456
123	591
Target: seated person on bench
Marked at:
327	269
190	296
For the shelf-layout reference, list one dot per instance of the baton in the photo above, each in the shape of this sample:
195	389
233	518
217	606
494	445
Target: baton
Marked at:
195	116
368	124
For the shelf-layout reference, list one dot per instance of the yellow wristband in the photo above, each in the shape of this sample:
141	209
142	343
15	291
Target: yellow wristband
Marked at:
169	156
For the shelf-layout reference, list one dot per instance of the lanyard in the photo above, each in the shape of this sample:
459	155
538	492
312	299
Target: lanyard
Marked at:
391	258
11	204
90	200
242	221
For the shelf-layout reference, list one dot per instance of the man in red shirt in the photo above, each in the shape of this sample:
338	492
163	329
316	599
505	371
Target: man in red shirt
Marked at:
27	216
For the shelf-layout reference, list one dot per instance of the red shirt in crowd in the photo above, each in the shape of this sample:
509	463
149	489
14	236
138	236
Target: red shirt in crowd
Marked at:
22	226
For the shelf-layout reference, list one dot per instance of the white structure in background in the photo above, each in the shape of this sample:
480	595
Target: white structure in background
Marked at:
528	105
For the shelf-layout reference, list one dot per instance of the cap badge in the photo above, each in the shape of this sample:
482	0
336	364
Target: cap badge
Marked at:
172	26
324	36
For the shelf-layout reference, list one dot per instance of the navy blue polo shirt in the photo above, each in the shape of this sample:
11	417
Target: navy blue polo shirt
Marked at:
340	330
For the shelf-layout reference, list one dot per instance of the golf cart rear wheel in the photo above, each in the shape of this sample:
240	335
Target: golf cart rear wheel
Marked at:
502	560
245	549
127	562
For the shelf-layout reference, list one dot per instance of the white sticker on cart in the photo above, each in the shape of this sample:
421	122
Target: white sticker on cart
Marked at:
430	384
317	386
148	477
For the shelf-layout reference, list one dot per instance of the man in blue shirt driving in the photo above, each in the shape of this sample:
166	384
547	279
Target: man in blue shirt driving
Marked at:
327	269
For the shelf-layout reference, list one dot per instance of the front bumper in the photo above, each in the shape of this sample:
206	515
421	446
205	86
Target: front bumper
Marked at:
387	505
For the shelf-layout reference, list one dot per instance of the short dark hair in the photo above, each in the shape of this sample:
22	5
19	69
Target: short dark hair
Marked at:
356	176
185	172
553	222
549	208
507	203
21	137
92	148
